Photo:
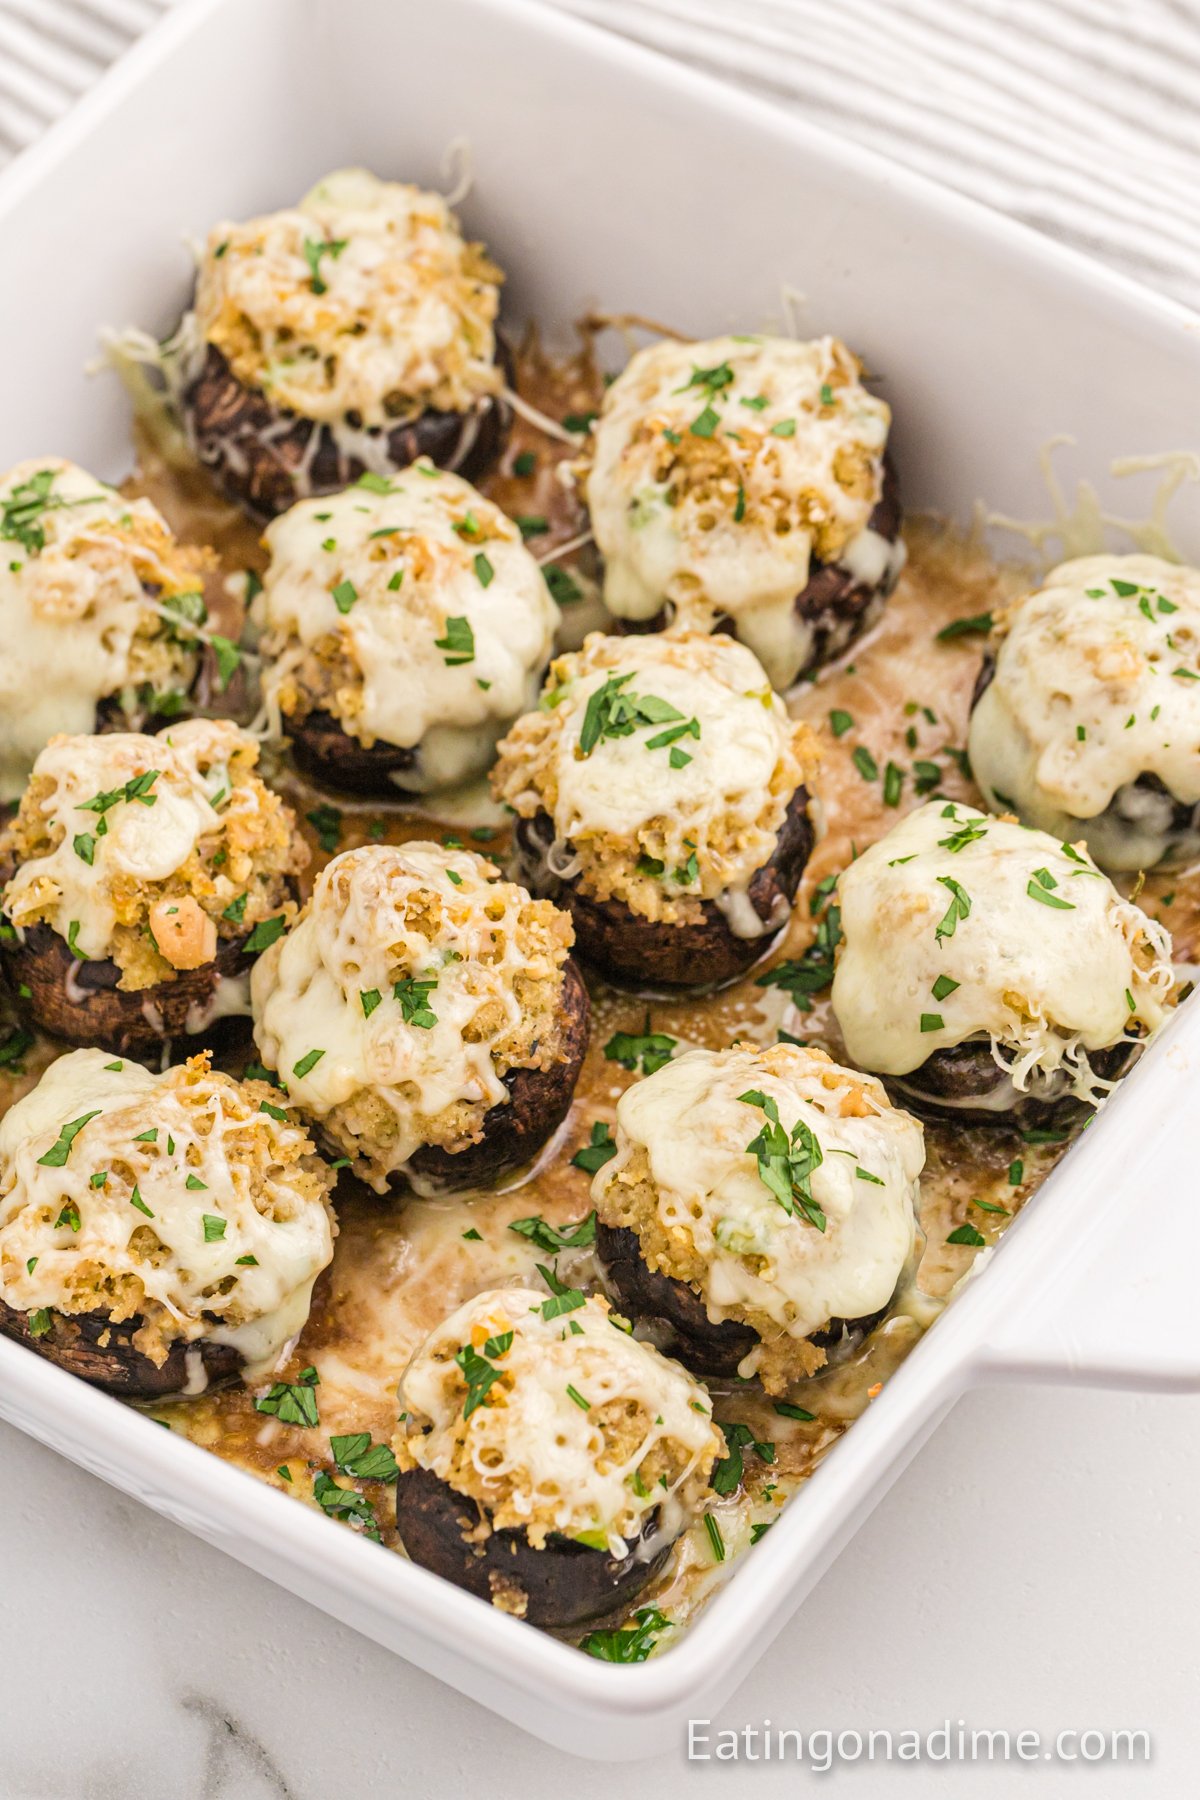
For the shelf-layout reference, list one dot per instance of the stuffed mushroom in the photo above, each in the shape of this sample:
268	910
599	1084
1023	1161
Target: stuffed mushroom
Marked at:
760	1208
427	1016
354	331
991	973
159	1234
548	1459
663	797
1086	717
405	627
744	483
143	873
98	605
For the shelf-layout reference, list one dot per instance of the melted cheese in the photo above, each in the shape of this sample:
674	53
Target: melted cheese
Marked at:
368	580
77	600
105	854
1097	682
1045	981
255	1178
379	917
760	1261
626	801
364	302
535	1456
787	466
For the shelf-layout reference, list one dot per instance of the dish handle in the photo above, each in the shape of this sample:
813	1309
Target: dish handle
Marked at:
1122	1315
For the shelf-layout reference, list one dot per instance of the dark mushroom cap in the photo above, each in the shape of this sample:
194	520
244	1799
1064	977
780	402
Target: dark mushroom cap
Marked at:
654	954
81	1003
260	454
648	1297
539	1100
102	1353
563	1584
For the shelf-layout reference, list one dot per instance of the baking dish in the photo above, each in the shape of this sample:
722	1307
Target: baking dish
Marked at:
666	194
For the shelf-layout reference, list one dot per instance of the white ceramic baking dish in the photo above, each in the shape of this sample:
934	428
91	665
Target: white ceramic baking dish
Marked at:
605	174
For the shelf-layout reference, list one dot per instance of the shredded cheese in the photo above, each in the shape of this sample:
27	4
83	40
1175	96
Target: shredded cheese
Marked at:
684	807
82	570
583	1430
719	471
1097	683
957	925
412	612
361	304
420	981
147	849
686	1179
176	1199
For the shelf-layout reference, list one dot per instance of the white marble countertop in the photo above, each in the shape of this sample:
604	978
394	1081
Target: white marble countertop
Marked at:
1038	1566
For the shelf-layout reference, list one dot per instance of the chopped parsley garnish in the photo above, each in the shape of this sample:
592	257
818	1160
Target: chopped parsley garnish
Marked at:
193	1183
715	1540
727	1476
40	1322
236	910
865	763
59	1151
574	1394
355	1454
563	586
631	1644
369	999
292	1402
977	624
346	1503
967	1234
969	832
228	657
1040	888
932	1022
478	1371
786	428
943	987
959	908
649	1049
786	1410
786	1166
214	1227
531	524
273	1112
562	1299
413	996
525	463
553	1238
14	1047
326	821
812	972
315	250
344	595
484	571
307	1063
614	712
136	1201
265	934
22	511
69	1216
893	784
597	1151
84	846
458	644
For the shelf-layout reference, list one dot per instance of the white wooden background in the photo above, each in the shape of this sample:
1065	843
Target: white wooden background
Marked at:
1080	117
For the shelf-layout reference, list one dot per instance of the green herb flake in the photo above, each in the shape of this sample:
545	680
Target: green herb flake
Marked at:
292	1402
599	1149
59	1151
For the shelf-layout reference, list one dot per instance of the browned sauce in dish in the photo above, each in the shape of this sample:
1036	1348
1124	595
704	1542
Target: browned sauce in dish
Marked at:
892	720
